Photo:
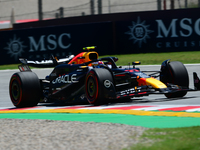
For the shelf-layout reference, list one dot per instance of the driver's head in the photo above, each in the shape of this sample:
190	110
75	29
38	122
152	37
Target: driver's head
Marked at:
97	63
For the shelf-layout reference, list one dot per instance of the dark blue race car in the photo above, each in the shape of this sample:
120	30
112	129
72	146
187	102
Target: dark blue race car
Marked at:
88	78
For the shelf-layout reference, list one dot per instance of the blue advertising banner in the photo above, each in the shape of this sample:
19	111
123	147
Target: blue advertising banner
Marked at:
160	31
123	33
61	41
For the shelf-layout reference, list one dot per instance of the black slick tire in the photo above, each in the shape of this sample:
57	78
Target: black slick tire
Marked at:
25	89
95	85
178	76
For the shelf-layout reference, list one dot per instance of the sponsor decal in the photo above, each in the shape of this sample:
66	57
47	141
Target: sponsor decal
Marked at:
15	47
139	32
45	43
178	28
126	92
107	83
174	33
66	79
49	42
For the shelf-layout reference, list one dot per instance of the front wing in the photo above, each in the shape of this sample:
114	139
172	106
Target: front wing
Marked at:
147	90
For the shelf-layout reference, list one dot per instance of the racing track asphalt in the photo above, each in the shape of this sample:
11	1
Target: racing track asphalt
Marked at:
192	98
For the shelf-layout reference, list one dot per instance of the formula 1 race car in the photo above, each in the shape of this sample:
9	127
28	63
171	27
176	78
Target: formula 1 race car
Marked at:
88	78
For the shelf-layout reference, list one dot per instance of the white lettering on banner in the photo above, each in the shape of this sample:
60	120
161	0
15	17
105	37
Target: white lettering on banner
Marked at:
35	45
165	31
177	44
197	26
61	43
168	44
47	55
52	42
185	44
65	79
176	28
185	25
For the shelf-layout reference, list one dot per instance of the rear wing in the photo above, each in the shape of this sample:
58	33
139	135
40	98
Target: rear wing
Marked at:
46	63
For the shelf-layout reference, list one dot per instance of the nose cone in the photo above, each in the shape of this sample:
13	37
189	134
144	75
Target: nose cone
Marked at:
151	81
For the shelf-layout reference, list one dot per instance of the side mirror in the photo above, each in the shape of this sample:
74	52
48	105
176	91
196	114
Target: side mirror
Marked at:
136	63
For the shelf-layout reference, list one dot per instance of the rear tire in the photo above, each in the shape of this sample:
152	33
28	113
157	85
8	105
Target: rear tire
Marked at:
175	73
25	89
95	85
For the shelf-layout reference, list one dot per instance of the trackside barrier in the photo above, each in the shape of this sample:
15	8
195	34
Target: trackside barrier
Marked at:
60	41
121	33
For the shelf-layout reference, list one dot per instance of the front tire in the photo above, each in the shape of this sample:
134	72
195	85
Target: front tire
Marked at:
175	73
95	85
25	89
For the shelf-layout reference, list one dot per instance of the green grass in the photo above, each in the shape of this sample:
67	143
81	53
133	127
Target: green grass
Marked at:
158	58
187	138
11	66
193	5
145	58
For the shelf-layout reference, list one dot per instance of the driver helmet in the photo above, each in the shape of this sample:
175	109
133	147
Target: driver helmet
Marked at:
97	63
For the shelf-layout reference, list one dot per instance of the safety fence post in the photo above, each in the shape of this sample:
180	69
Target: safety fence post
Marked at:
99	2
61	9
40	10
159	4
92	6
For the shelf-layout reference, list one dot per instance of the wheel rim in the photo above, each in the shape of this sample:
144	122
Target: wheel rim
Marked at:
91	88
15	91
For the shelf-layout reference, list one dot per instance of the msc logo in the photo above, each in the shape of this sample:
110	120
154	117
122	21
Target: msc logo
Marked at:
49	42
139	32
15	47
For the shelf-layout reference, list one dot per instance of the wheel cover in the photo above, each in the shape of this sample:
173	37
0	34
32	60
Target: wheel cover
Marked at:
91	88
15	90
